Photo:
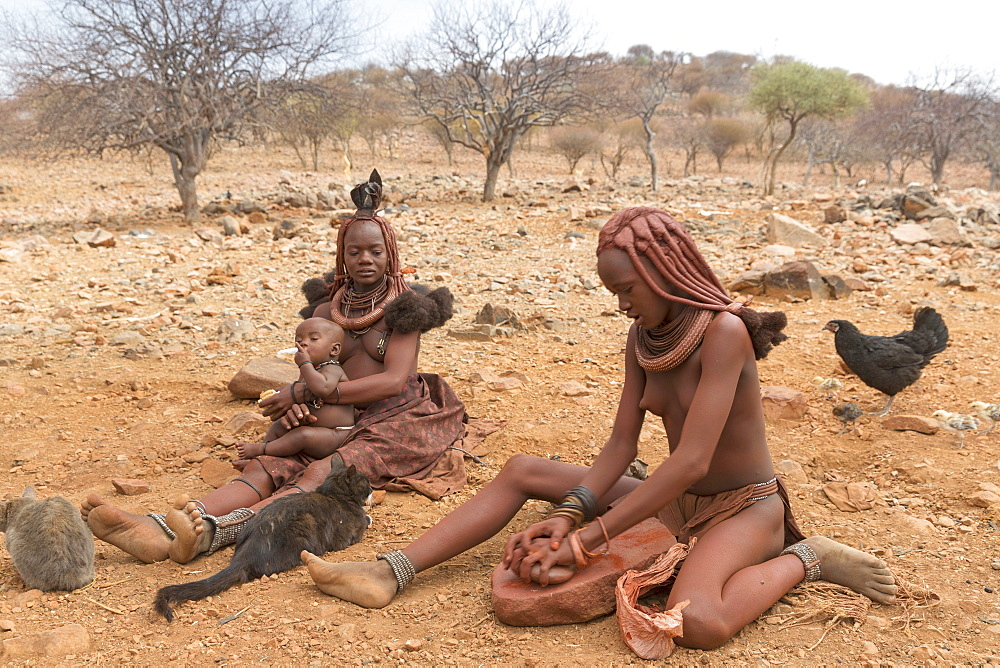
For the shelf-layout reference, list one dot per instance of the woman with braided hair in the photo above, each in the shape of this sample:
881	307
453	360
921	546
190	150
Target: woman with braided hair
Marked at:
691	361
407	424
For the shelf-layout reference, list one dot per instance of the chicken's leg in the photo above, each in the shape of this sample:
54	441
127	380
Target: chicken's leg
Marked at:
885	408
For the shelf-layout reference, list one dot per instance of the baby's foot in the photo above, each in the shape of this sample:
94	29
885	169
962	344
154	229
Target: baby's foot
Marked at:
138	535
240	464
250	450
194	532
862	572
370	584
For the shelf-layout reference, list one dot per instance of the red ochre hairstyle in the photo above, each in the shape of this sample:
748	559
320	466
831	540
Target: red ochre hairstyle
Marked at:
645	232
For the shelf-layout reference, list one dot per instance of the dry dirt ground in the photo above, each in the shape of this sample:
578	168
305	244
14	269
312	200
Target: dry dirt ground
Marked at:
112	365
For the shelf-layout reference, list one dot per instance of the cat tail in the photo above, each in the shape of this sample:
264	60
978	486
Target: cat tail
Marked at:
230	576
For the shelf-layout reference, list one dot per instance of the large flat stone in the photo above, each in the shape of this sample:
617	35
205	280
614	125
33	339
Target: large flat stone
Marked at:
588	594
263	373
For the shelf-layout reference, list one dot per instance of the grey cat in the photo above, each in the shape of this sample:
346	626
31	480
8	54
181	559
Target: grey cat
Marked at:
50	545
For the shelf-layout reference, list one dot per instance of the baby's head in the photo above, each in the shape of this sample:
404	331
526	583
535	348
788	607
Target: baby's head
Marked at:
321	338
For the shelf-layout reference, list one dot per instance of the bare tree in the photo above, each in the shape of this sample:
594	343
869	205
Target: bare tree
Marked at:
176	74
950	108
886	129
644	83
622	137
489	72
722	135
573	143
988	143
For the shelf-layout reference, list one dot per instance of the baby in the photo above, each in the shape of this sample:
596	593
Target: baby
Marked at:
318	342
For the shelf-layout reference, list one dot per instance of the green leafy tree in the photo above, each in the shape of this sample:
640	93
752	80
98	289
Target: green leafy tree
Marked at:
790	92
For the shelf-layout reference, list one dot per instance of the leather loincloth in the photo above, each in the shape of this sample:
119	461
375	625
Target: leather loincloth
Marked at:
694	514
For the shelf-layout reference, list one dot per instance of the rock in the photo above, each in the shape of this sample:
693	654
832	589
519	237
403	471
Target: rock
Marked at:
69	639
413	645
130	339
834	214
234	330
587	595
782	403
95	238
916	423
786	230
836	287
574	388
984	499
791	471
945	232
935	212
910	233
795	279
869	648
245	421
505	384
130	486
263	373
257	217
230	226
8	625
217	473
911	206
469	335
749	282
851	496
916	525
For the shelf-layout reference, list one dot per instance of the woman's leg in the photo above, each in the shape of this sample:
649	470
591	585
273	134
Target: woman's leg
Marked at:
733	574
374	585
193	533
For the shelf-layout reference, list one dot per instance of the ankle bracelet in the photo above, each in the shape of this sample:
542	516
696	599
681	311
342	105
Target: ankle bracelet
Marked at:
402	568
810	561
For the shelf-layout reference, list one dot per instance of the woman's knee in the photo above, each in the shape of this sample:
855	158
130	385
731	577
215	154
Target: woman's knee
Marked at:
704	628
521	468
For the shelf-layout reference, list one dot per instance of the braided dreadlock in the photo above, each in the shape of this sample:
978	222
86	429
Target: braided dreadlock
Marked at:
645	232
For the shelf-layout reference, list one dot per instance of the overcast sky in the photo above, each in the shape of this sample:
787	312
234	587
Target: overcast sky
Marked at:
886	39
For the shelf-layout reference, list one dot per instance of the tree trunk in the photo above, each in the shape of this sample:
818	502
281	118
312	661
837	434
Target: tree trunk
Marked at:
185	180
888	172
773	167
490	185
650	152
938	158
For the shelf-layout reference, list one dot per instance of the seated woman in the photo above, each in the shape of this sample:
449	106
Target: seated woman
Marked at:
690	360
405	424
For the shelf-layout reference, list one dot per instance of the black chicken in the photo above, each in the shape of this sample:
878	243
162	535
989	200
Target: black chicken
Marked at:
891	363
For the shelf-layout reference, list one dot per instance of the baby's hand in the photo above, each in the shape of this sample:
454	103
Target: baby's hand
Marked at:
301	357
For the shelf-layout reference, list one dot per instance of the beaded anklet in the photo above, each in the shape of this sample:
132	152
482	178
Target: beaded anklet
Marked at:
810	560
401	566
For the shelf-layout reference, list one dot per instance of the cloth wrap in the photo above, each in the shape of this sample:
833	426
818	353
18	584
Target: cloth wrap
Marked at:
406	442
651	634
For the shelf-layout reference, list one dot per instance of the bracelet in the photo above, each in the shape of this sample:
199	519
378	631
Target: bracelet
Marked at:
303	364
337	390
607	543
579	555
586	499
292	390
809	558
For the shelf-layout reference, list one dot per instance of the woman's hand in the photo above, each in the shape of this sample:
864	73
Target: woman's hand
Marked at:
524	549
296	416
281	402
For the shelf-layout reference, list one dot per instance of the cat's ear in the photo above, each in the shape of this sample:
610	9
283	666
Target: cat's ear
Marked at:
352	469
29	493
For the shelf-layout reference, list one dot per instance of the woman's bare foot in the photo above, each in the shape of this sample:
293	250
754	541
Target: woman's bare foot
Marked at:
194	532
370	584
250	450
138	535
862	572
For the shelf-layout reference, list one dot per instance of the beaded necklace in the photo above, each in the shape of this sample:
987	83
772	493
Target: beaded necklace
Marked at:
326	363
370	305
668	345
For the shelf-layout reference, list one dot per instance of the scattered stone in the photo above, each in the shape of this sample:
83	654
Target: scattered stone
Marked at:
505	384
799	280
413	645
984	499
234	330
573	388
130	339
834	214
791	471
263	373
95	238
916	423
69	639
782	403
945	232
130	486
217	473
910	233
782	229
851	496
230	226
245	421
